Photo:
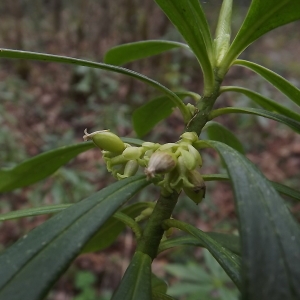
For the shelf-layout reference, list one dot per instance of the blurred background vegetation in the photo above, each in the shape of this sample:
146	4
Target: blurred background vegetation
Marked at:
46	105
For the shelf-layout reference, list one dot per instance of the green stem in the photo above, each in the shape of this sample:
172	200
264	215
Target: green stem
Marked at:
151	237
129	222
204	108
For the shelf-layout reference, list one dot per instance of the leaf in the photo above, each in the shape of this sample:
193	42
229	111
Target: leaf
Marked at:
262	17
136	282
148	115
229	241
125	53
33	263
188	17
161	296
158	285
283	189
295	125
263	102
276	80
229	261
132	141
39	167
188	272
36	211
110	230
7	53
218	132
270	236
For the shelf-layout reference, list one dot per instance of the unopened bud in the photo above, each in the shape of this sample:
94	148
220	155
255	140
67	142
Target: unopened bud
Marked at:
130	169
188	159
160	163
189	137
145	214
132	152
197	192
105	140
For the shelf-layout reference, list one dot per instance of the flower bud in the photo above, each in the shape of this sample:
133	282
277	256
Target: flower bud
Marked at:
168	147
145	214
105	140
150	146
160	163
190	137
188	159
130	169
197	192
193	151
132	152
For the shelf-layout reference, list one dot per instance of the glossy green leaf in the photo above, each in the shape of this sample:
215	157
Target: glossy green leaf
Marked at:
189	272
229	261
223	32
229	241
110	230
125	53
270	237
158	285
132	141
263	102
218	132
36	211
262	17
148	115
276	80
7	53
161	296
295	125
39	167
136	282
283	189
32	264
188	17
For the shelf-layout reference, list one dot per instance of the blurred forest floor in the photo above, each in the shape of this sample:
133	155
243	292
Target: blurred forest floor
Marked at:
46	105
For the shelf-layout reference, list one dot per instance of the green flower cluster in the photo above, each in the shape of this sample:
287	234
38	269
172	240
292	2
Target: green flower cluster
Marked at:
176	162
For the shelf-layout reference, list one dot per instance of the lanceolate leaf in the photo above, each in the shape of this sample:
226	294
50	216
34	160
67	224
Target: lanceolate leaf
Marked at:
229	241
43	165
136	283
125	53
108	233
283	189
229	261
36	211
295	125
7	53
188	17
39	167
278	81
263	102
32	264
218	132
270	236
148	115
263	16
132	141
